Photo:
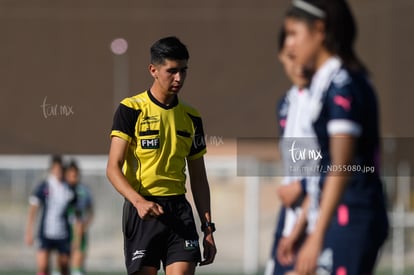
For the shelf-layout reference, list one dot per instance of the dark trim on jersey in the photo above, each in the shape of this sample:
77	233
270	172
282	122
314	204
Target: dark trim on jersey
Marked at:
125	119
183	133
199	143
166	107
149	132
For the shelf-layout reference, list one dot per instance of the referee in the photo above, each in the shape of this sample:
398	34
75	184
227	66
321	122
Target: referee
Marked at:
154	135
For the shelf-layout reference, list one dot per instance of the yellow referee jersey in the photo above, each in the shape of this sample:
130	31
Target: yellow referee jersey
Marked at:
160	139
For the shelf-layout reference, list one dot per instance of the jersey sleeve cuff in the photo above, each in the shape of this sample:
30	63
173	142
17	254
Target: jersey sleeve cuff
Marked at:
197	155
33	200
116	133
344	126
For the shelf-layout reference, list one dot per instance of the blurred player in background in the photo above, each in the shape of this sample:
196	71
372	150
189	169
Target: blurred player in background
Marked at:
294	126
54	198
352	224
154	136
80	229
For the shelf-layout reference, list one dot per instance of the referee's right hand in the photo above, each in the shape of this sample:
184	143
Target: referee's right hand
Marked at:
148	209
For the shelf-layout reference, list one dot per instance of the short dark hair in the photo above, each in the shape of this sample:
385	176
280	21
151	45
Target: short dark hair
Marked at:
168	48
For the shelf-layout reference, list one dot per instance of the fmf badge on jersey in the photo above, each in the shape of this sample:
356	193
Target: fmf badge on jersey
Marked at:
153	143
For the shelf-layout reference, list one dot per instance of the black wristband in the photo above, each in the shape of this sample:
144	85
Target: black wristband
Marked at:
205	225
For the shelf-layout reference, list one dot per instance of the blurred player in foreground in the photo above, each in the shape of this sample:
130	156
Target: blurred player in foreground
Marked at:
154	136
352	223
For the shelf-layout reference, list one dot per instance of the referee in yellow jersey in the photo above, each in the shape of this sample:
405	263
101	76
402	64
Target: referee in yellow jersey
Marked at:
154	135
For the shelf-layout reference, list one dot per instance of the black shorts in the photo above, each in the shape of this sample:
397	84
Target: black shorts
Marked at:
61	246
170	238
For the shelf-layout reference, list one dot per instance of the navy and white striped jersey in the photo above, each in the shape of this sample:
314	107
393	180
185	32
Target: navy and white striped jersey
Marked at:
55	198
297	130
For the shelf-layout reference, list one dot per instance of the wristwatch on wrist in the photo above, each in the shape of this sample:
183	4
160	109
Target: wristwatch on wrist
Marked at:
205	225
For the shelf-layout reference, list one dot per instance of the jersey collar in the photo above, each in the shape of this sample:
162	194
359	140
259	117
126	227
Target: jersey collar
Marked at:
155	101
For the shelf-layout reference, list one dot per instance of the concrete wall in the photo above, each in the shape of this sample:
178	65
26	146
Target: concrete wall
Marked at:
58	74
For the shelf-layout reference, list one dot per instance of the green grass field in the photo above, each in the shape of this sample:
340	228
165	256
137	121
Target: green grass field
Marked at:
10	272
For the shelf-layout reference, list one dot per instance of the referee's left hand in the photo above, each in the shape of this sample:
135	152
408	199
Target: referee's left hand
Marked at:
210	249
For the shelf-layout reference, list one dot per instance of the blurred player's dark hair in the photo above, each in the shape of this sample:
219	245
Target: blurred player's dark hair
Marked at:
340	28
73	165
56	159
281	39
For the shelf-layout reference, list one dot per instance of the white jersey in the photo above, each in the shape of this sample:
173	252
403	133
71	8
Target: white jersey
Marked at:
299	150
